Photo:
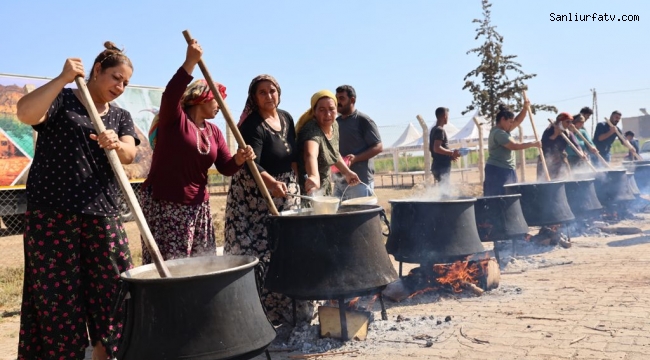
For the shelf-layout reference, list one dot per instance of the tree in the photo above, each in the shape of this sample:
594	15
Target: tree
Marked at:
495	86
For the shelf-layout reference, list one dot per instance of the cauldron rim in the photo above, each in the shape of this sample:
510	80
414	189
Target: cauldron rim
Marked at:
131	275
363	209
580	180
455	201
499	196
535	183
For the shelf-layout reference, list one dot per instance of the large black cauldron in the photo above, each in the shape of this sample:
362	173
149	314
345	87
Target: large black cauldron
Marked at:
430	232
500	217
543	203
641	169
329	256
208	309
582	198
612	186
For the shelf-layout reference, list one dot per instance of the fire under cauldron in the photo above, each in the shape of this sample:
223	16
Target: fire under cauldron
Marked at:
543	203
433	232
330	256
612	186
582	198
209	309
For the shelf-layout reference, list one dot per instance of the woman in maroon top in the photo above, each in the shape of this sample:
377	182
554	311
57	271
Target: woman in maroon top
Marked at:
174	198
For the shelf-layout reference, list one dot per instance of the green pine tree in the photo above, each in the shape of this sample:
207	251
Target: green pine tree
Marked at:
498	79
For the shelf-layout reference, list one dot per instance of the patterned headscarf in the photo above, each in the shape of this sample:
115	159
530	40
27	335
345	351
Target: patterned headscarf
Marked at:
309	114
196	93
251	106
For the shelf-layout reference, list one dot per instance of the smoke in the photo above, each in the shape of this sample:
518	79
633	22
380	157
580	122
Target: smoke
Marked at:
439	191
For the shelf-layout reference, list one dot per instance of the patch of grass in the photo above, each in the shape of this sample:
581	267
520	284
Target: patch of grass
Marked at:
11	288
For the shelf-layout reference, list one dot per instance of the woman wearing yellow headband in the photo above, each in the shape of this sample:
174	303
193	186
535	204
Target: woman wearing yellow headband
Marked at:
318	146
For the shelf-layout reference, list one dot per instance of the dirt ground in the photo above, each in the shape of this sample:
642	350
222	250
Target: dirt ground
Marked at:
591	301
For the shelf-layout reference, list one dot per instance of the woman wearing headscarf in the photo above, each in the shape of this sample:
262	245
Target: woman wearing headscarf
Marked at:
270	132
174	197
554	146
318	146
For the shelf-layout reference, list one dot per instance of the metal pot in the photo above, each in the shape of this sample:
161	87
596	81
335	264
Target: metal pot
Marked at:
634	189
642	177
612	186
209	309
582	198
428	232
500	217
543	203
329	256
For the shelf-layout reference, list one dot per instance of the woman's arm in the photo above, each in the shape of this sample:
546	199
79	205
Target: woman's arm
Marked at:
170	103
310	156
32	108
522	114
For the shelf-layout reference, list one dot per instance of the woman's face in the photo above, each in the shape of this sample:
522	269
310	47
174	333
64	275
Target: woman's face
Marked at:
579	125
209	109
266	96
111	82
325	112
507	123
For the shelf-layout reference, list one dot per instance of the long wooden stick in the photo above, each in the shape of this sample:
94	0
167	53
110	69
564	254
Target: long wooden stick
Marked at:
624	140
570	143
522	155
123	180
235	130
481	155
541	151
602	160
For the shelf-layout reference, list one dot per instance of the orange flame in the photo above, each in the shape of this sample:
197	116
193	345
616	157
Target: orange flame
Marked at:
353	303
456	274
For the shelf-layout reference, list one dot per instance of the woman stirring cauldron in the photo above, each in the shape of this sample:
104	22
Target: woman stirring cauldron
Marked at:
174	198
318	146
270	132
500	165
554	146
74	242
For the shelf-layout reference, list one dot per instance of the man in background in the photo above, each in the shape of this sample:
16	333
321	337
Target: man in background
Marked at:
439	147
359	142
604	137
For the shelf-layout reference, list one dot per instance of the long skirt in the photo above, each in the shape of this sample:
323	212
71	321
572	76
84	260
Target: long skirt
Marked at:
72	267
557	164
246	232
180	230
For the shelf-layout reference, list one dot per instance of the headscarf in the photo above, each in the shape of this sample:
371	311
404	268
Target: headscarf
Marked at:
196	93
309	114
250	105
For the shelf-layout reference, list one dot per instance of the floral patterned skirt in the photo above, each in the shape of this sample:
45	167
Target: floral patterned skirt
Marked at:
180	230
246	227
72	267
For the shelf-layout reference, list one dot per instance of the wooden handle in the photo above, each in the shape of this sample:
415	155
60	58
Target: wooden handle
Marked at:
235	130
124	182
481	155
570	143
541	150
602	160
624	141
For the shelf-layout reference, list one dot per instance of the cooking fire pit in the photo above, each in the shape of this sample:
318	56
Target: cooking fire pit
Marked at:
433	232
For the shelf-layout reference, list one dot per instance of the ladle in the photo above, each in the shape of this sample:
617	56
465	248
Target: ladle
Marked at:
123	181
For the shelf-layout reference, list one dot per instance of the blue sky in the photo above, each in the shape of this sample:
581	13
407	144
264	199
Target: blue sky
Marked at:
404	58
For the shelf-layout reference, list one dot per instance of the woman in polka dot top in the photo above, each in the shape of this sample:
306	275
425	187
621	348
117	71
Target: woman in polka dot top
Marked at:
75	245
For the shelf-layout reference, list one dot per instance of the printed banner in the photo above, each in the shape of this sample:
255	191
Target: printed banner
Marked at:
17	140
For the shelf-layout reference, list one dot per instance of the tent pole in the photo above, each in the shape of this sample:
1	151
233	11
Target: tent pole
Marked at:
425	149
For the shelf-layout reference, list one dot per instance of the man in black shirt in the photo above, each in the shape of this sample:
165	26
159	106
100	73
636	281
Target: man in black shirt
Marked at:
439	147
605	135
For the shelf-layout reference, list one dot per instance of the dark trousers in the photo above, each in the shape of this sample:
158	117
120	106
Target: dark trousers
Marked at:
495	178
72	266
441	174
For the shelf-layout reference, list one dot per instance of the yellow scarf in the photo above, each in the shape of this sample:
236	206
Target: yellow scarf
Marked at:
309	114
